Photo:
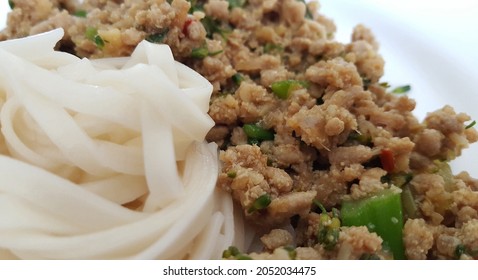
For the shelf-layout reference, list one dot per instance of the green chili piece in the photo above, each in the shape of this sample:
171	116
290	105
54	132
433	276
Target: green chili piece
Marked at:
254	131
282	89
382	214
260	203
402	89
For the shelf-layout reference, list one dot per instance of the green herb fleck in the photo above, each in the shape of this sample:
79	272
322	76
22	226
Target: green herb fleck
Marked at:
80	13
195	6
200	52
366	82
11	4
360	138
368	256
99	41
260	203
472	124
92	35
157	37
232	174
328	231
214	26
291	251
203	52
460	249
319	205
236	4
237	79
402	89
308	14
384	85
270	48
233	253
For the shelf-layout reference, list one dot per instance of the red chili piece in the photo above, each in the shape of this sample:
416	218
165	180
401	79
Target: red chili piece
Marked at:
186	26
388	160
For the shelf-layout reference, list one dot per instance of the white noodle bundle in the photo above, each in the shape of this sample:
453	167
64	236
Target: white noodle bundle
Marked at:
106	159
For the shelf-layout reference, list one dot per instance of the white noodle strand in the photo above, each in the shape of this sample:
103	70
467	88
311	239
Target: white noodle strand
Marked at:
106	159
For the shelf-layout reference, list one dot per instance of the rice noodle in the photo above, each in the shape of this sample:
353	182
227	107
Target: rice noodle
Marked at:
106	159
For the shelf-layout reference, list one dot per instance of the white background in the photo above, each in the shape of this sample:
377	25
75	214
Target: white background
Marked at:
429	44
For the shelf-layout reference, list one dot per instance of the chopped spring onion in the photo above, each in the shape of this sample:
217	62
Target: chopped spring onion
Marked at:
329	227
255	132
328	231
283	89
214	26
260	203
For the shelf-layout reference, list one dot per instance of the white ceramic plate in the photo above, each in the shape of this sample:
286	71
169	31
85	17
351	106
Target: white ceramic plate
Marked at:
428	44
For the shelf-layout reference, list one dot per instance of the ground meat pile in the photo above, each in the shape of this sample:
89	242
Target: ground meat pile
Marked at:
304	123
